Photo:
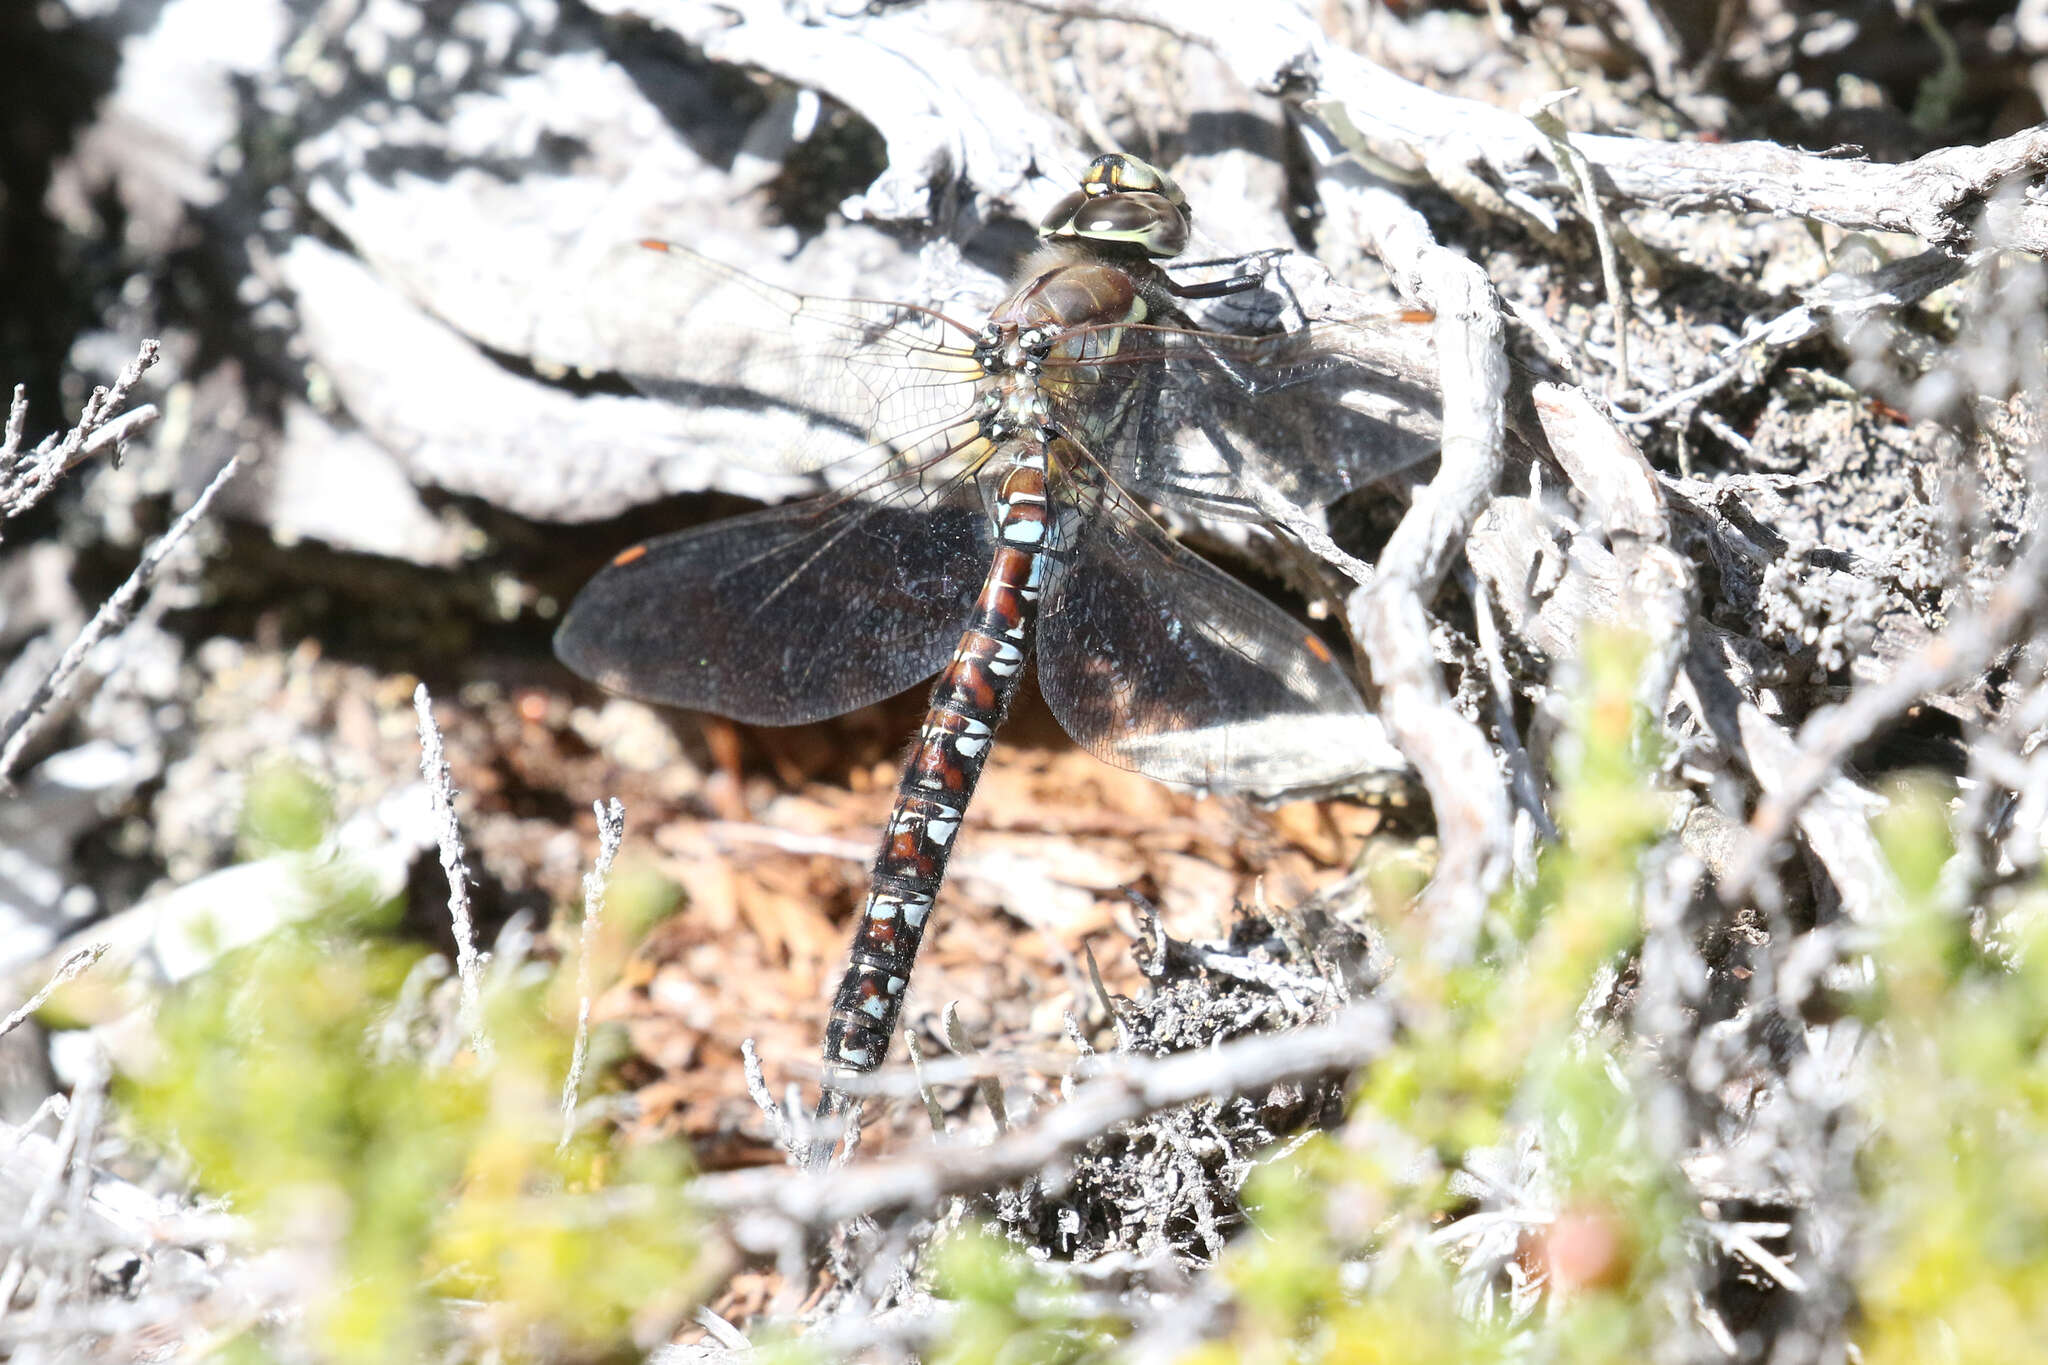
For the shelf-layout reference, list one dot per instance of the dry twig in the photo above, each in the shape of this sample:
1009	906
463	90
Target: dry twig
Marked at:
448	833
1962	652
1839	303
1837	828
1129	1088
113	614
611	832
1937	197
72	966
25	481
1388	616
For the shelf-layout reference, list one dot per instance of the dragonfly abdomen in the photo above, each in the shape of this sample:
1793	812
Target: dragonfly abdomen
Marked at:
967	704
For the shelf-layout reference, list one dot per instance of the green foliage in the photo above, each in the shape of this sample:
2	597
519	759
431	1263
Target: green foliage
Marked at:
1341	1263
417	1184
1487	1048
639	896
284	810
1010	1311
398	1188
1957	1258
407	1190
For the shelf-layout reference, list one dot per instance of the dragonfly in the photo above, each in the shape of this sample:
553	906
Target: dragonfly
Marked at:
992	494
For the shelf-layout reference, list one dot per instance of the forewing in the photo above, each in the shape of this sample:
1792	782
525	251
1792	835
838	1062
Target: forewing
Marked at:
1189	419
783	616
862	373
1155	660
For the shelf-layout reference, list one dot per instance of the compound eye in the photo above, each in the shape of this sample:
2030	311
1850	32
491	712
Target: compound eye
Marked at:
1129	173
1151	222
1061	214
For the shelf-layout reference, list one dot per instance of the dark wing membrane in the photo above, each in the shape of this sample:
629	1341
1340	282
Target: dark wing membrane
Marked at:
1156	661
684	327
783	616
1188	418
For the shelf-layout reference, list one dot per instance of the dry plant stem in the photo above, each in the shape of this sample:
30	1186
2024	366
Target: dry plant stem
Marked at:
17	422
434	768
1838	302
1526	786
1740	1238
1572	162
757	1090
726	833
934	1112
764	1203
1672	982
945	1069
23	484
116	1213
1997	764
1282	47
1626	502
46	467
72	966
611	832
1653	43
88	1099
723	1332
1934	197
1474	826
1962	652
836	1118
1836	825
1276	508
847	1335
987	1086
78	1121
22	728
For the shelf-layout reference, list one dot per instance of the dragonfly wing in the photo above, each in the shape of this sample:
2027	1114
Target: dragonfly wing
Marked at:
783	616
1188	419
1154	660
861	372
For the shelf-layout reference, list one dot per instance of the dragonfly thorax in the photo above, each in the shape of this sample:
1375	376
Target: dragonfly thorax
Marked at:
1021	403
1066	288
1069	312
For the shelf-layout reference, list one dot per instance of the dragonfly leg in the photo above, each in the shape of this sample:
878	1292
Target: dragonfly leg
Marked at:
1215	289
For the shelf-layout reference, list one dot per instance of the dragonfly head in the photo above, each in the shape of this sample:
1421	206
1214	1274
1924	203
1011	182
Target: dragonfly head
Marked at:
1125	204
